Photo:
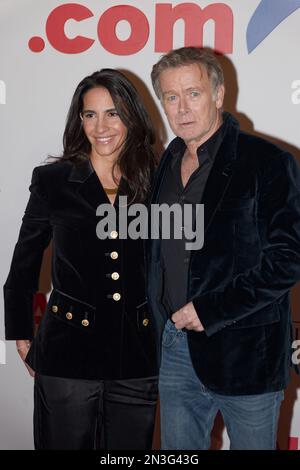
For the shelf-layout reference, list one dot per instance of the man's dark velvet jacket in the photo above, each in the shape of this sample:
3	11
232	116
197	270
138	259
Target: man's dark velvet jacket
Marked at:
117	341
240	280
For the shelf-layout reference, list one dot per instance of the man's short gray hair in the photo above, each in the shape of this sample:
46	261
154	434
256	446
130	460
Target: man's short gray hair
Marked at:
188	56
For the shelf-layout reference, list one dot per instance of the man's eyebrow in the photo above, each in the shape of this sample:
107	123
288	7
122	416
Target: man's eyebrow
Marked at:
196	87
168	92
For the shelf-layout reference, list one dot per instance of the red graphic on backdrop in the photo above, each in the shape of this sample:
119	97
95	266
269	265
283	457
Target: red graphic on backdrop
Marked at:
139	30
55	28
293	443
39	306
195	18
36	44
166	16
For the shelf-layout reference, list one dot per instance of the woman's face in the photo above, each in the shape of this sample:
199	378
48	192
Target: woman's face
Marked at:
102	124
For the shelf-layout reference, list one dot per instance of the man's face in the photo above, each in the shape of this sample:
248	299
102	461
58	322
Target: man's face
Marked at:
192	107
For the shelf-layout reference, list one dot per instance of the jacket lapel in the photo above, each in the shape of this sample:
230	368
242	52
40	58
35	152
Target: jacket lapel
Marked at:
222	171
89	186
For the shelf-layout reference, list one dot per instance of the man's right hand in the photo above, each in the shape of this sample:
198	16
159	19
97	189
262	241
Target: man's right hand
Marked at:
23	346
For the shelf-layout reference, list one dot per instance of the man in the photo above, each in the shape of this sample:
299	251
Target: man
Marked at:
223	311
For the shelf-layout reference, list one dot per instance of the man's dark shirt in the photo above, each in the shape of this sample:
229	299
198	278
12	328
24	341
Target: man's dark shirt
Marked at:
174	256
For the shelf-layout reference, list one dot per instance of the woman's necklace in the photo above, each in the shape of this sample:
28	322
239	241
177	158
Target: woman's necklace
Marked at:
111	190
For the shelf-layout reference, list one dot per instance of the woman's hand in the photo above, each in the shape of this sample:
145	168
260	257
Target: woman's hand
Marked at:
23	346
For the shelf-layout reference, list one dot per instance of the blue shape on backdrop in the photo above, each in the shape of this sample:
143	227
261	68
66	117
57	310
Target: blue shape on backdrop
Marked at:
268	15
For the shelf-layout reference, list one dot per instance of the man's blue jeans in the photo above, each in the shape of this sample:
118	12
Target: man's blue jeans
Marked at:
188	408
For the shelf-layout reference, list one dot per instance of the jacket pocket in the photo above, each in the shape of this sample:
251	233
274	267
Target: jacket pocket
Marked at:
144	322
237	204
265	316
71	311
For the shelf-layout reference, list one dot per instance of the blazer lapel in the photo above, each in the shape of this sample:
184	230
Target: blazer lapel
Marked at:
222	171
89	186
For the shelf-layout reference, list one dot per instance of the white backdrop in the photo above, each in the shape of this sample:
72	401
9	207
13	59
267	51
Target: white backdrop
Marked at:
263	90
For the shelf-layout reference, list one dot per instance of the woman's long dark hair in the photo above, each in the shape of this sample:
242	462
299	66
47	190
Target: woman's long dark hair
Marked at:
136	160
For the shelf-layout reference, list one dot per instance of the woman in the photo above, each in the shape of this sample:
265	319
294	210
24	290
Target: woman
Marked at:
93	355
